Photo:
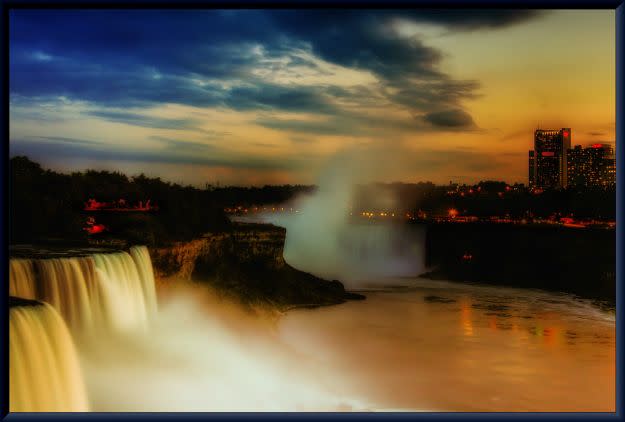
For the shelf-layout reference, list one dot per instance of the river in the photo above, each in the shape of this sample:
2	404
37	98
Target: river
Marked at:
419	344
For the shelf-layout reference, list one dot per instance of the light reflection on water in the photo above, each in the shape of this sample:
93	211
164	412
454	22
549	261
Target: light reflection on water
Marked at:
449	346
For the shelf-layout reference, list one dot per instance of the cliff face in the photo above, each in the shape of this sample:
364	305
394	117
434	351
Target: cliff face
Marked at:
248	243
247	264
178	260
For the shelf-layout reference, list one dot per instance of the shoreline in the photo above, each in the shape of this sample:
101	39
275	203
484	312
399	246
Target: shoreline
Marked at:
602	302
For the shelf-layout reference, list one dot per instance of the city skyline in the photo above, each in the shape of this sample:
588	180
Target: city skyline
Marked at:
204	96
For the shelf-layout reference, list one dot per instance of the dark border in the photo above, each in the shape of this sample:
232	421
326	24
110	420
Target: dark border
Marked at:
618	5
297	4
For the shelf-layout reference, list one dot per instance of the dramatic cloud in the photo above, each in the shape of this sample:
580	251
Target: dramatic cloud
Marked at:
268	97
245	89
467	20
212	58
450	119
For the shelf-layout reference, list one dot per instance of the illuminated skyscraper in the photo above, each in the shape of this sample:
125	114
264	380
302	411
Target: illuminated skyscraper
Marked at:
547	161
593	166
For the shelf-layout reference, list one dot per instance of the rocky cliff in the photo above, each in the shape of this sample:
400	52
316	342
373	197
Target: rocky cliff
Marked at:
248	265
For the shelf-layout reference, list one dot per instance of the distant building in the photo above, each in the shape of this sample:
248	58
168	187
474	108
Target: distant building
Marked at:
593	166
532	168
547	161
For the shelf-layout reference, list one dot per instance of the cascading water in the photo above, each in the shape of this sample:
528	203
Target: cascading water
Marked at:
130	298
143	263
110	290
72	287
353	252
22	279
44	373
326	237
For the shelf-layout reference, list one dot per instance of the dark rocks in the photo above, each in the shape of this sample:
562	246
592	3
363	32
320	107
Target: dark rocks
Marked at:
354	296
18	301
490	307
248	265
438	299
56	251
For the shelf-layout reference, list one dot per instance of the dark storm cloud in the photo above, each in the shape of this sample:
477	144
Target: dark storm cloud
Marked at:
428	94
360	124
363	39
452	119
355	124
468	19
144	58
268	96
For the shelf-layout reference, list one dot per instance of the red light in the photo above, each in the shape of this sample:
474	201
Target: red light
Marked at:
96	228
547	154
596	146
565	133
120	205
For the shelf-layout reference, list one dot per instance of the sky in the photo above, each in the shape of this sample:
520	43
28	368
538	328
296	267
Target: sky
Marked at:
254	97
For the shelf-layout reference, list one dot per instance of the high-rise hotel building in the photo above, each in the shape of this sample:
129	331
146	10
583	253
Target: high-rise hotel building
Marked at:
548	159
553	164
593	166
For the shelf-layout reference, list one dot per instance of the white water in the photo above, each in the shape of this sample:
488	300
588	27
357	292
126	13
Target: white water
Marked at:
202	354
112	291
22	278
143	263
353	252
44	373
437	346
192	356
332	247
118	274
93	295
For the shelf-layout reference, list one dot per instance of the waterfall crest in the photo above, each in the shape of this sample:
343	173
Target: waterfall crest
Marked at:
71	286
44	373
104	290
22	279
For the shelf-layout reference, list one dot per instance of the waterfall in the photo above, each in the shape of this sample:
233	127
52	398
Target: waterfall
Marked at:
102	290
22	279
354	252
72	287
87	294
130	299
44	374
141	256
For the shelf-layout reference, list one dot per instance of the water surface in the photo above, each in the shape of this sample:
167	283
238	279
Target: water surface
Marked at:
442	346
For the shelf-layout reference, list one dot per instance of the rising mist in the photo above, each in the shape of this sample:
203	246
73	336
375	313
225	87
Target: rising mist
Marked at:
327	238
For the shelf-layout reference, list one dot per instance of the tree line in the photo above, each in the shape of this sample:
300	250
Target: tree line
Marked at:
45	204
